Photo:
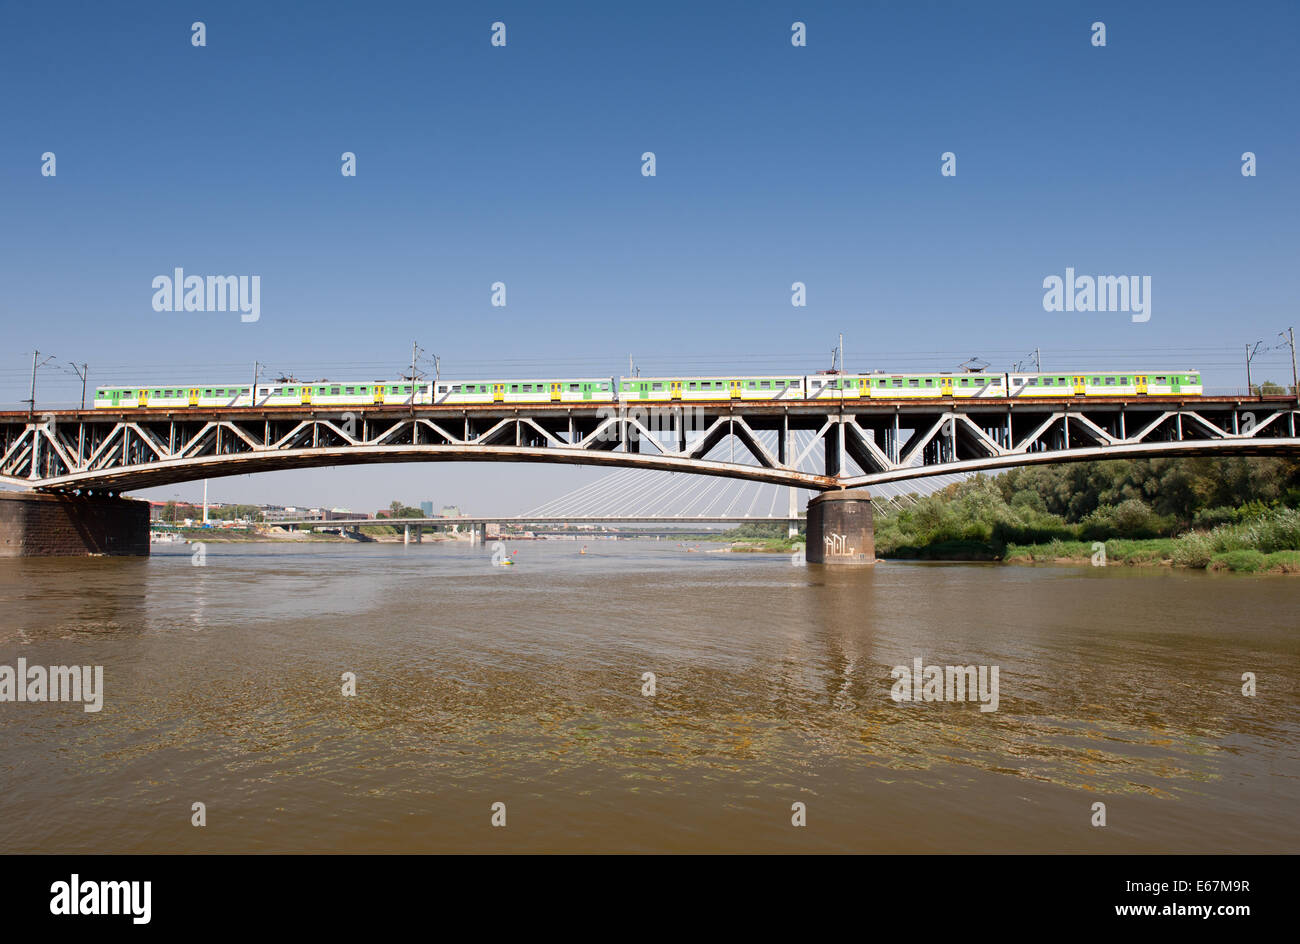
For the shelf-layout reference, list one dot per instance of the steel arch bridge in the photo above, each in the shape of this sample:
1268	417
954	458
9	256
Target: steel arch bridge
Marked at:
851	444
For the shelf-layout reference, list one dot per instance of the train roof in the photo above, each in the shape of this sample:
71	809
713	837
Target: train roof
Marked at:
525	380
737	376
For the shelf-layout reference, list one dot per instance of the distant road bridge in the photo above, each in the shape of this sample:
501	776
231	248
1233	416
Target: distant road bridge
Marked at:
850	444
548	524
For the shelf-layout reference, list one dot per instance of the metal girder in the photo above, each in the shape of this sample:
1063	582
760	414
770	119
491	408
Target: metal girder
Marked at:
864	442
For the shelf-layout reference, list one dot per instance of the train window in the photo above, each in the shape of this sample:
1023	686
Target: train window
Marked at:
691	386
929	381
1196	378
334	391
765	385
573	387
657	386
913	382
1160	380
514	388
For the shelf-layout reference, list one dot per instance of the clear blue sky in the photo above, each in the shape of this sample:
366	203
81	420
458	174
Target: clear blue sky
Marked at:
522	165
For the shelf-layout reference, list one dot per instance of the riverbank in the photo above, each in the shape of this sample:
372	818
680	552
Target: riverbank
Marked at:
238	536
1160	552
1199	515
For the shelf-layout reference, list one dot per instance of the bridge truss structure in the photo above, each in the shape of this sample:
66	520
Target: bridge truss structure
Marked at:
817	445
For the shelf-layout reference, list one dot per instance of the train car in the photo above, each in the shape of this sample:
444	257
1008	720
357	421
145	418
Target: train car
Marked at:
971	385
1180	384
1109	384
673	389
168	398
905	386
571	390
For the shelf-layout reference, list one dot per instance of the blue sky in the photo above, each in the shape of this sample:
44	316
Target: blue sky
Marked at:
521	164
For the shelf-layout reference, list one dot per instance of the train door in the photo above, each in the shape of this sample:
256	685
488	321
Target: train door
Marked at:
1078	386
945	386
675	389
734	385
144	398
194	397
1175	383
377	393
306	395
115	397
555	393
498	393
1141	383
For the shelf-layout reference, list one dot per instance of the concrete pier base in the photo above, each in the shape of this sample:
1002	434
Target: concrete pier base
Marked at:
35	524
841	529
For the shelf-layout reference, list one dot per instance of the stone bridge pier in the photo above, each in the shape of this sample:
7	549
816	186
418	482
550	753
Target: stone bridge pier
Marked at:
35	524
841	529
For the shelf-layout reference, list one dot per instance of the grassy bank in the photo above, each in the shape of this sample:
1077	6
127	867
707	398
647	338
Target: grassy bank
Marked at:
768	546
1139	514
1160	551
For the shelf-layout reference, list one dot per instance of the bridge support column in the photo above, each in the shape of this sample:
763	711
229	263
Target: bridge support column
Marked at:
406	534
42	525
840	528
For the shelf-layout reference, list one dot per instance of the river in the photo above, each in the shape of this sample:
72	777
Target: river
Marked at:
479	684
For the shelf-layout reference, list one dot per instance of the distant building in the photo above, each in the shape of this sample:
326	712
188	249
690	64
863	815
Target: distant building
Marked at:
448	511
426	509
292	513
